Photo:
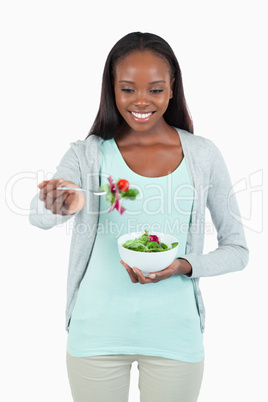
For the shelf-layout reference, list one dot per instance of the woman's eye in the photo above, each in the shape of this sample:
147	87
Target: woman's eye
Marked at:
128	90
156	91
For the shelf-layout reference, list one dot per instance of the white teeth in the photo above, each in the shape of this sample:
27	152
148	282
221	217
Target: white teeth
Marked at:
141	115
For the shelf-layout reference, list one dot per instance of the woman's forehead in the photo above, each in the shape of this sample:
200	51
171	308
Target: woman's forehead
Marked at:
142	62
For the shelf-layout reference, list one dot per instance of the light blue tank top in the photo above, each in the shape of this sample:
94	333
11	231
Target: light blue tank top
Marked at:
112	315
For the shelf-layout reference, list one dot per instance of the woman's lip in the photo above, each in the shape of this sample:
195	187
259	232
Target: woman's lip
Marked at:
141	117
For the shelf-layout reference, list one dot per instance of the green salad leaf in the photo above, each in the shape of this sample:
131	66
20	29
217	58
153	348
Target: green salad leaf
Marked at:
148	244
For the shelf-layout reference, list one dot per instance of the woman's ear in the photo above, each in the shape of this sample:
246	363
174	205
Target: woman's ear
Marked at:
172	86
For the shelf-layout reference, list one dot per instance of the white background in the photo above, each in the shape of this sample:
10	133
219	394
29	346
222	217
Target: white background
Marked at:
53	53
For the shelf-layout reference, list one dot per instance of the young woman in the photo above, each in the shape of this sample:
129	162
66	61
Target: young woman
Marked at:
144	134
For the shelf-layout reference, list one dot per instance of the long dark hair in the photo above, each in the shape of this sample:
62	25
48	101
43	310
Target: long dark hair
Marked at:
108	118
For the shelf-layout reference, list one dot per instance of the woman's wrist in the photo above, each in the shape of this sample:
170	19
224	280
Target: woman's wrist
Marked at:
184	267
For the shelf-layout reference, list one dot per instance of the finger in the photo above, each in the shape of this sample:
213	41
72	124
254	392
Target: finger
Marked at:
132	275
71	203
65	203
71	196
51	197
48	185
141	277
42	193
160	275
58	204
42	184
45	182
130	272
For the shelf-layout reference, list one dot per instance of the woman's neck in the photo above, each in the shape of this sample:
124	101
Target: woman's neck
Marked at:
160	133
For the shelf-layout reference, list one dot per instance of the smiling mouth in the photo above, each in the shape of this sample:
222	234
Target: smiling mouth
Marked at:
141	116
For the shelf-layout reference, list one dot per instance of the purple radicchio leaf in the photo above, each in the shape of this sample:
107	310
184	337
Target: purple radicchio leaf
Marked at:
154	238
117	204
112	185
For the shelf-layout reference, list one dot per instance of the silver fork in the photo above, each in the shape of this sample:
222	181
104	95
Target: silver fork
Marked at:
82	189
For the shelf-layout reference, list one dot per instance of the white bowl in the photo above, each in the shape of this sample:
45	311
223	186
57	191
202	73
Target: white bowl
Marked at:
148	262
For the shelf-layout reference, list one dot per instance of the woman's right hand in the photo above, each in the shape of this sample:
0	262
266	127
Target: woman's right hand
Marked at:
61	202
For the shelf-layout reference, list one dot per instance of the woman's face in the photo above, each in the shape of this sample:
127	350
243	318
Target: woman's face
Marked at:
143	89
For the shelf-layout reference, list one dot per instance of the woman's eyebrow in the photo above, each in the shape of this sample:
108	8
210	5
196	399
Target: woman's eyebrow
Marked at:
157	82
129	82
150	83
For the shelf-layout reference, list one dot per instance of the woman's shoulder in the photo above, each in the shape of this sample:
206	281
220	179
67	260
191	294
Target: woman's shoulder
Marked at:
195	139
92	139
88	146
198	145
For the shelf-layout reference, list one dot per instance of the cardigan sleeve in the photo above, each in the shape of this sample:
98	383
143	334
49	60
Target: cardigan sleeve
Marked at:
68	169
232	252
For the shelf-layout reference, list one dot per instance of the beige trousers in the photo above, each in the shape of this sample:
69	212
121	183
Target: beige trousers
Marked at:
107	378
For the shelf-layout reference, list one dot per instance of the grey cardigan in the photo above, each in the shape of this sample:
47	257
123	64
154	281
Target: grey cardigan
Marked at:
213	188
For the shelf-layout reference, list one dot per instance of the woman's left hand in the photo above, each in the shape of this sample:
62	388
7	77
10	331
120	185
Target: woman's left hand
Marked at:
178	266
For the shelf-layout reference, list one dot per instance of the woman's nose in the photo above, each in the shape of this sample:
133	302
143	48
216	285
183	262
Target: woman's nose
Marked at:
141	100
141	103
